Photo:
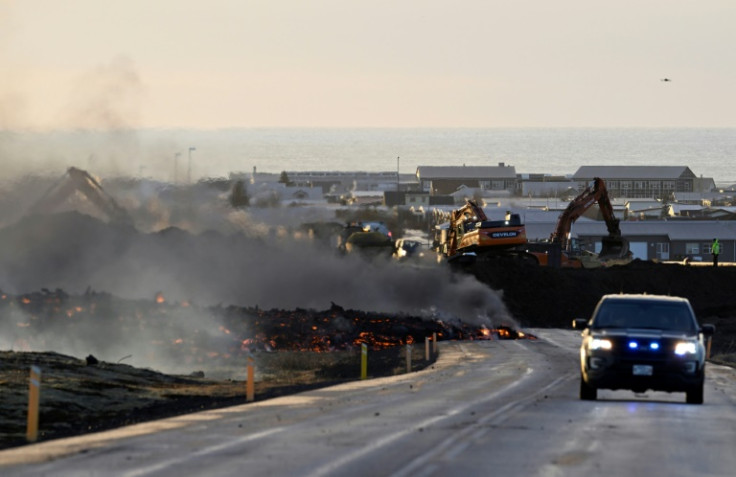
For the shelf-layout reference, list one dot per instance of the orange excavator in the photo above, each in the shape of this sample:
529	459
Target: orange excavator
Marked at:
614	246
470	235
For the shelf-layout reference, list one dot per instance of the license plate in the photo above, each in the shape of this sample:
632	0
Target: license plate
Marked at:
643	370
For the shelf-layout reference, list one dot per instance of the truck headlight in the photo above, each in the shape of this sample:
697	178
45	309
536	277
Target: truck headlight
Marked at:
685	347
598	343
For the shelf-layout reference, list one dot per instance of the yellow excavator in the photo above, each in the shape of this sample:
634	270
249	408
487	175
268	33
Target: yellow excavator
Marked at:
470	236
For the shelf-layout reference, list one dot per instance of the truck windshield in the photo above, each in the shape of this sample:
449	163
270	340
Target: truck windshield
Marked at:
653	315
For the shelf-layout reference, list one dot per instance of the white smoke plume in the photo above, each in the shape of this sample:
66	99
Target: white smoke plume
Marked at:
210	254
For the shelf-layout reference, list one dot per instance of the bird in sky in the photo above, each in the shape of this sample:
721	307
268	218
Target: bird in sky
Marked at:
666	80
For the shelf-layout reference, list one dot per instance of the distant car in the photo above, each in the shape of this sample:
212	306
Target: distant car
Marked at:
379	227
407	249
641	342
364	232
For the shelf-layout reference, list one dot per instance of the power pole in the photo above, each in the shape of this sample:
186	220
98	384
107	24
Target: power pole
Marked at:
189	172
397	173
176	167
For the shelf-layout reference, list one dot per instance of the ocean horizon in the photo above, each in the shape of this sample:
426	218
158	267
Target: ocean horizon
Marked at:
168	154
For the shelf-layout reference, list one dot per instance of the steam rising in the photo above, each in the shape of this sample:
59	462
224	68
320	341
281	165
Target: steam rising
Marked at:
72	252
237	259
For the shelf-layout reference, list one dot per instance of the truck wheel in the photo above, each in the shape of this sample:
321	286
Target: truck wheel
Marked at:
587	393
695	395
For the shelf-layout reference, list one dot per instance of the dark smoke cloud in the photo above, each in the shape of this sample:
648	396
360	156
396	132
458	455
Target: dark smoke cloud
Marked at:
225	257
72	252
108	99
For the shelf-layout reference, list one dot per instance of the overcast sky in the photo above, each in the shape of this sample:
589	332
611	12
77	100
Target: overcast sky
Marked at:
352	63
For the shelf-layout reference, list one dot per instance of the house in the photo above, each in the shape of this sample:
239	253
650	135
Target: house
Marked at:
416	199
704	184
666	239
274	192
705	199
545	185
364	198
302	194
640	181
720	213
686	210
695	198
644	209
446	180
344	181
562	189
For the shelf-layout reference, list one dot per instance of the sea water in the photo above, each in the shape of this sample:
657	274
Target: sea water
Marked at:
708	152
184	154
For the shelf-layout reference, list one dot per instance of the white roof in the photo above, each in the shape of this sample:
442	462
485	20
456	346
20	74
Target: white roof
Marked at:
677	208
699	195
466	172
635	206
700	230
633	172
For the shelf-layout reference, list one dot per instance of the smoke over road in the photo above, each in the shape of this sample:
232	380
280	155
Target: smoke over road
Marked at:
201	251
72	252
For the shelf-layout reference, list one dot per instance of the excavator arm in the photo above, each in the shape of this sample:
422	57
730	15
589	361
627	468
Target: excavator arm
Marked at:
78	180
613	245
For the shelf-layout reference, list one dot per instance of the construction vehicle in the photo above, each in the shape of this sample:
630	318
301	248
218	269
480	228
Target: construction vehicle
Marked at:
78	180
470	236
614	246
369	239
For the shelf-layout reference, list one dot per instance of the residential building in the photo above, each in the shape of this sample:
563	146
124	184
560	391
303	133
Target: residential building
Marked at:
666	239
655	182
446	180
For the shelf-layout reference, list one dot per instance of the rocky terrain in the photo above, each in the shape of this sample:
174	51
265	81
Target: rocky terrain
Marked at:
78	396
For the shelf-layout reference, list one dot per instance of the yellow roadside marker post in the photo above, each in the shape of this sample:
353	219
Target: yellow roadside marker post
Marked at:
434	343
426	348
408	358
250	384
34	392
363	361
708	344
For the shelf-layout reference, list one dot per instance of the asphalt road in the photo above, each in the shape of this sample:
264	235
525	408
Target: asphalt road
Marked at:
503	408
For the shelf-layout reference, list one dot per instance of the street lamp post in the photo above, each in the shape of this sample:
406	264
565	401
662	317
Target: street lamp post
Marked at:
397	173
176	167
189	171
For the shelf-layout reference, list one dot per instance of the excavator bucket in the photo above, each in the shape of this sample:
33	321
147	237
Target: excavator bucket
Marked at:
614	247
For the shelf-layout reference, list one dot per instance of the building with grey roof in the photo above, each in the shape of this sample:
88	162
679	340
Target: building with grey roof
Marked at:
665	239
640	181
445	180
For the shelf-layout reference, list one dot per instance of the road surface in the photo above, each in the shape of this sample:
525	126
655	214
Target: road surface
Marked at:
503	408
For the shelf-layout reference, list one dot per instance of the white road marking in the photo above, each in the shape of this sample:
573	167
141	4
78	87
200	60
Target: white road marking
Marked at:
362	452
456	440
203	452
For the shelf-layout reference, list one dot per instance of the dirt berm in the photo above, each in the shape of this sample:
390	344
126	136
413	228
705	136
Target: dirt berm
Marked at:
549	297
